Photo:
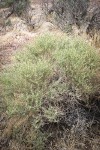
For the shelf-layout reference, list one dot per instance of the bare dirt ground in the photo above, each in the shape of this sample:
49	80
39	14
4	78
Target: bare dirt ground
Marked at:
11	42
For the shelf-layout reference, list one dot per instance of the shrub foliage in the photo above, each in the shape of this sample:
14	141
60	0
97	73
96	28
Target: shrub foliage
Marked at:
48	80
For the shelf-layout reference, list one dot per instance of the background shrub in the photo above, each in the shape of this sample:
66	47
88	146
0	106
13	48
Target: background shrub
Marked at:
17	6
67	13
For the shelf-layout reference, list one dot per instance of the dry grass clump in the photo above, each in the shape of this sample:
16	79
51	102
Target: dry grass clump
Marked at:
51	82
